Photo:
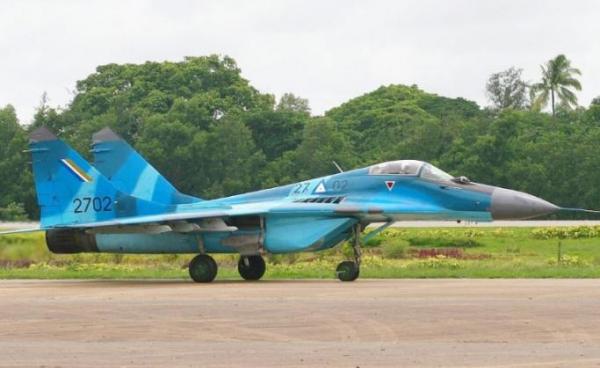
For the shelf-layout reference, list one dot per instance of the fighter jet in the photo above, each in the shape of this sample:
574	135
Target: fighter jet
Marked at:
124	205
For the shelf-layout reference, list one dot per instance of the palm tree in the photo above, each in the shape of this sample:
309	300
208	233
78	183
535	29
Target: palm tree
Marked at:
557	78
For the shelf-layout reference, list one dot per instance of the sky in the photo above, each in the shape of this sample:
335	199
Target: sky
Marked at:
325	51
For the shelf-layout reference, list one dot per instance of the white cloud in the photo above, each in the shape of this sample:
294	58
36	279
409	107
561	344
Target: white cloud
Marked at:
326	51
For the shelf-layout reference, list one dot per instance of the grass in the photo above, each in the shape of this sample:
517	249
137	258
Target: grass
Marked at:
396	253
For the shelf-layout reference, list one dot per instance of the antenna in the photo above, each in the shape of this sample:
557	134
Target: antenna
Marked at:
338	166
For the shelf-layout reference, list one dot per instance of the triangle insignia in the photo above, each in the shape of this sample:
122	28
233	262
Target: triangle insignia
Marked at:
390	184
320	188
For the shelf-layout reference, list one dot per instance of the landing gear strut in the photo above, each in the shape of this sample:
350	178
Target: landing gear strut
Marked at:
349	270
203	268
251	267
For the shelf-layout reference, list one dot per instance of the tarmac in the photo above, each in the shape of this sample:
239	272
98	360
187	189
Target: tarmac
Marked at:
325	323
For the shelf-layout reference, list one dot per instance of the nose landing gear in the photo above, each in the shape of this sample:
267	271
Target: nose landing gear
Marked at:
347	271
350	270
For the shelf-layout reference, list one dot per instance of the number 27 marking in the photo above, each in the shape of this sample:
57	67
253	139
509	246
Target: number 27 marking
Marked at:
301	188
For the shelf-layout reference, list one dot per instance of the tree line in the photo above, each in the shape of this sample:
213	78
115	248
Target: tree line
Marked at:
210	132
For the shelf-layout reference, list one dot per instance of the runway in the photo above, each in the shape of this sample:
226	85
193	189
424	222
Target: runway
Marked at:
369	323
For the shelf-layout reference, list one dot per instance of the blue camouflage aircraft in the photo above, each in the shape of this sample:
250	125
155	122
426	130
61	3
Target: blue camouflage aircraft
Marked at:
124	205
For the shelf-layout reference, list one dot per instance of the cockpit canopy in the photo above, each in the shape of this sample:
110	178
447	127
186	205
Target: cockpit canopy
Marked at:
400	167
410	167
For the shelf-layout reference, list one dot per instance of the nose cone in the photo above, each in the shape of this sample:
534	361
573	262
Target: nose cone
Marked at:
512	205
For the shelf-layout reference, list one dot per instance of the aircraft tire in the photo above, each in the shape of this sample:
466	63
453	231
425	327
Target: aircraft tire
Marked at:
347	271
203	268
255	268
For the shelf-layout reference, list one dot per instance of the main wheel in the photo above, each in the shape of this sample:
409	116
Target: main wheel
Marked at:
203	268
347	271
251	267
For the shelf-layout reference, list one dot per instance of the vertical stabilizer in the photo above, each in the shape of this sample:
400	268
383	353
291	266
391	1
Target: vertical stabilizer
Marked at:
131	173
71	191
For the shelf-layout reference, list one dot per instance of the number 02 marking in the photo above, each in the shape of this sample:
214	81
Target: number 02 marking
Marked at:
339	185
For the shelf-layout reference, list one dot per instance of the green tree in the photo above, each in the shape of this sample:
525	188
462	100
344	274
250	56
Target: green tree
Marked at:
596	101
276	132
558	77
507	89
322	143
232	161
170	111
16	184
172	148
212	134
396	122
290	102
197	91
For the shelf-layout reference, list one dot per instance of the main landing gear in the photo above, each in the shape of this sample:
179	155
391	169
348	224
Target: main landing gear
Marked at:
203	268
251	268
350	270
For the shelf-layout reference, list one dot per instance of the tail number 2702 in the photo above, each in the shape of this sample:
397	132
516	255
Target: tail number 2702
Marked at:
95	204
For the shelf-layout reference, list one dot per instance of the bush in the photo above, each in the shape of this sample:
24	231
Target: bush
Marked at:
438	262
13	212
569	261
373	242
444	242
572	232
395	249
435	252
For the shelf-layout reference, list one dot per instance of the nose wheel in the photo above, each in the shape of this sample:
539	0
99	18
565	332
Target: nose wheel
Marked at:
350	270
251	268
203	268
347	271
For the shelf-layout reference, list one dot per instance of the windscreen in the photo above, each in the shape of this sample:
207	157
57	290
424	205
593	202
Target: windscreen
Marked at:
431	172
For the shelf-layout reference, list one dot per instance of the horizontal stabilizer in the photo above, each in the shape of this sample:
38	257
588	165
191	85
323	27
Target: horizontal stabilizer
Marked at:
21	231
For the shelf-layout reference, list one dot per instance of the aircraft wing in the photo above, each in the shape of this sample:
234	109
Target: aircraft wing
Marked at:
254	208
139	223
